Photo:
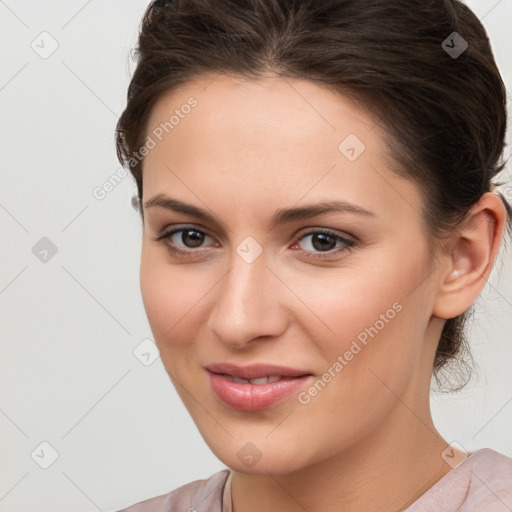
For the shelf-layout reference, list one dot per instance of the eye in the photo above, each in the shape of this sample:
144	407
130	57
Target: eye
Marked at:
183	240
322	242
317	244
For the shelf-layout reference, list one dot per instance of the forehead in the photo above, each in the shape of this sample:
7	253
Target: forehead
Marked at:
276	138
271	110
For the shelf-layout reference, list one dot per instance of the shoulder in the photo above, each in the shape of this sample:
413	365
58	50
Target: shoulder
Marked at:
198	496
483	481
491	460
491	481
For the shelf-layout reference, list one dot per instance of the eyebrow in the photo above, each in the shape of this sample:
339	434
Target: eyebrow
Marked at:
282	216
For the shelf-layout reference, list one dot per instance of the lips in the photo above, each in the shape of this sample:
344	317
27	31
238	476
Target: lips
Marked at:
255	387
255	371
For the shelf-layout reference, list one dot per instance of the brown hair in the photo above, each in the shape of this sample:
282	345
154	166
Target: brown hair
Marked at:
444	114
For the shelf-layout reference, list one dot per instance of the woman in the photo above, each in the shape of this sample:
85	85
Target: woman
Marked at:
317	186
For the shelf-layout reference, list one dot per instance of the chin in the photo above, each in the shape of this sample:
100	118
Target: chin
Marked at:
272	464
259	458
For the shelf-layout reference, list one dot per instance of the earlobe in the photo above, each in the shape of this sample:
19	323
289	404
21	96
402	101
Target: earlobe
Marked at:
474	246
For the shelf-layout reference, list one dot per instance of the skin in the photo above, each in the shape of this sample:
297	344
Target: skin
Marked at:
366	441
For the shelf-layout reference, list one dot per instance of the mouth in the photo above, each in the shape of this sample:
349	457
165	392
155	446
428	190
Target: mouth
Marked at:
256	371
255	387
261	380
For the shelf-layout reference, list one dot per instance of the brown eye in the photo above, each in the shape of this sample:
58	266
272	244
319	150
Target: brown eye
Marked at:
190	238
183	240
325	240
324	244
322	241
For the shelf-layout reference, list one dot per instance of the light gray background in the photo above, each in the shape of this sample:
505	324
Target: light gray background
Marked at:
68	375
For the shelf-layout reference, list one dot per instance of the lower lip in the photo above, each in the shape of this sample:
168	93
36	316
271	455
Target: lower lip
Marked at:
254	397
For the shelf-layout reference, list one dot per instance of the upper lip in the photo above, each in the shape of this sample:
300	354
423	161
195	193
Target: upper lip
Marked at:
255	371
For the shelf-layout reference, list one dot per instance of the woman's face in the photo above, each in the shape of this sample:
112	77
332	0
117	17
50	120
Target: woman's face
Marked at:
278	274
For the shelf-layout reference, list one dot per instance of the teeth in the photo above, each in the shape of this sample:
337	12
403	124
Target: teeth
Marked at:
260	380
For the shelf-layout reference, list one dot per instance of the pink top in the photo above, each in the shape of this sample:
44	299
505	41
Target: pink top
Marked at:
481	483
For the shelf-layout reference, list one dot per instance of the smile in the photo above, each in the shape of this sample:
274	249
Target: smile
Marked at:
258	394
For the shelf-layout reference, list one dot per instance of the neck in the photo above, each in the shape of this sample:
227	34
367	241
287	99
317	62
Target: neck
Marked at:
389	470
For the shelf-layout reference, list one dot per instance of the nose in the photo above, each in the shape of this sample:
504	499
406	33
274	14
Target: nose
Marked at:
248	304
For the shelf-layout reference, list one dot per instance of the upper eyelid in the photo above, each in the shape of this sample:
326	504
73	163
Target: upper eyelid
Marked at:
173	231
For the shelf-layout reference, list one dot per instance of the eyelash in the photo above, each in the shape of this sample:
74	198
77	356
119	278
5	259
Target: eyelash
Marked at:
348	244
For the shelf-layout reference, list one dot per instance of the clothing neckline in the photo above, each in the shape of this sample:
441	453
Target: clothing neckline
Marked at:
226	505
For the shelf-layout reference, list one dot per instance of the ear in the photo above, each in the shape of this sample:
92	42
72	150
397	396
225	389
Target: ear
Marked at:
472	250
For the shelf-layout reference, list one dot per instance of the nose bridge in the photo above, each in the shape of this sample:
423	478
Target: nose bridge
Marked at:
246	305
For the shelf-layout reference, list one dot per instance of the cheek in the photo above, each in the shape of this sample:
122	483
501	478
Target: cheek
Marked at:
375	317
168	296
372	356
